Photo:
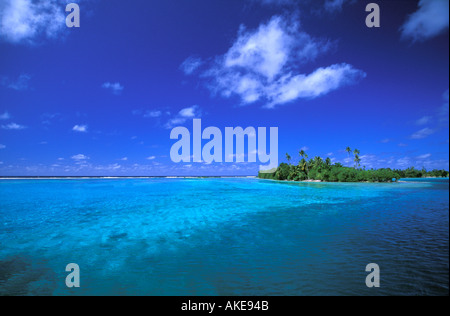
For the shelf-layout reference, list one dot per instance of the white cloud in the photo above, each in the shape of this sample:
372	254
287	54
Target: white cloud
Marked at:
189	112
334	5
190	65
80	128
47	118
348	161
5	116
441	113
152	114
80	157
116	88
426	156
110	167
182	116
263	65
304	148
320	82
124	159
404	162
24	20
2	146
385	141
175	121
20	84
265	51
436	164
369	161
13	126
423	133
151	158
430	20
424	120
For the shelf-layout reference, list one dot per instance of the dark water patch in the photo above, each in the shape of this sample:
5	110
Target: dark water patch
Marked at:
20	276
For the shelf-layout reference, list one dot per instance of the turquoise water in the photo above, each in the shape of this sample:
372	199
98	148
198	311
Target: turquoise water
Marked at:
223	237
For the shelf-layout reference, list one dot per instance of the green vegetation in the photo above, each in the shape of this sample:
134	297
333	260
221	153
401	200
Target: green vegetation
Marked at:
267	174
324	170
414	173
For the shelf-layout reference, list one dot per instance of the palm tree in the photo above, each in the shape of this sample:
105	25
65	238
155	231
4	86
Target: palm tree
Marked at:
348	150
357	160
305	156
328	161
303	164
302	153
424	171
318	161
356	152
288	157
311	163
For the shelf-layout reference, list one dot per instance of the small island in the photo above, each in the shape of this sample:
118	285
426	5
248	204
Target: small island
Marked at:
318	169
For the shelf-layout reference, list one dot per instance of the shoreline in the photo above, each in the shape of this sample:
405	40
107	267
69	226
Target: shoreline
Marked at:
404	180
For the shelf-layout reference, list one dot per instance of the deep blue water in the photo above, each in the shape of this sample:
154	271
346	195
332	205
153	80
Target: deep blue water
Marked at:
223	237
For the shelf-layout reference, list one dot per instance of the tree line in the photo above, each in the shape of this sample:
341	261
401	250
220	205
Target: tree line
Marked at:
324	170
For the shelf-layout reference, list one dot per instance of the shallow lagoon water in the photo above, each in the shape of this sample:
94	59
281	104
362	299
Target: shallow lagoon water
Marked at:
232	236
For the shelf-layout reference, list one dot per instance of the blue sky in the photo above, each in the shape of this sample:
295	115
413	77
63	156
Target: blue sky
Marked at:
102	99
